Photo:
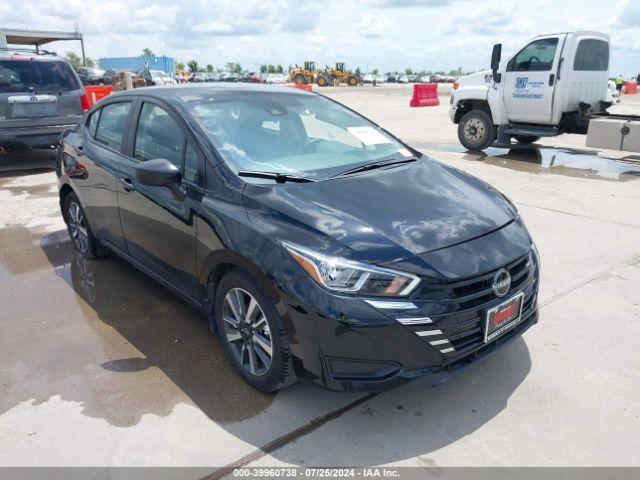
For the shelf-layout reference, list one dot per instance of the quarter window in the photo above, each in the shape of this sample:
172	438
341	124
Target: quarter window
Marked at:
592	55
191	164
93	123
158	136
536	57
113	118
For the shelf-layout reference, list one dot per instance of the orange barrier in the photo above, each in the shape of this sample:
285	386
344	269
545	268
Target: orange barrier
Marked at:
308	88
631	87
93	93
425	95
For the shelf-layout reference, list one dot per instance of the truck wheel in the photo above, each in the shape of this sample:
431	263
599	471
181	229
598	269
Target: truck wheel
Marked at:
352	81
323	81
476	130
252	333
526	138
299	79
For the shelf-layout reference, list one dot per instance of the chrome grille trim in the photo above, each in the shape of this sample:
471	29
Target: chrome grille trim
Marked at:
426	333
414	320
391	305
447	350
439	342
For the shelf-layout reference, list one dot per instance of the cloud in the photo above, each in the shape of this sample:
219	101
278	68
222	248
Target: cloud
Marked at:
373	25
406	3
629	14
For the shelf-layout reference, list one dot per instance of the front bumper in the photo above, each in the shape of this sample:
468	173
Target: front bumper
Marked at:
34	136
347	344
452	113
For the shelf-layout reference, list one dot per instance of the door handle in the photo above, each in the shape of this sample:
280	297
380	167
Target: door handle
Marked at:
127	184
552	78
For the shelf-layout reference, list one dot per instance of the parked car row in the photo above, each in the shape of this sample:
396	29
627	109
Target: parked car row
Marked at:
398	78
249	77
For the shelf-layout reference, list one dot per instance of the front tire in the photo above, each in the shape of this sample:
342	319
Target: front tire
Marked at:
526	139
82	237
476	130
300	79
252	333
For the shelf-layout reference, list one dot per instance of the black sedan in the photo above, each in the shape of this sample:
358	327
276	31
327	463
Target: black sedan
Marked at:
315	242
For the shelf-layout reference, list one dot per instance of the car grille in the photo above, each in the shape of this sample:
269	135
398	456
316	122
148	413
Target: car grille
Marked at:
457	326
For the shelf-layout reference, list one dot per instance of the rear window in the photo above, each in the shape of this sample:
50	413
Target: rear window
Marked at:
113	118
592	55
42	76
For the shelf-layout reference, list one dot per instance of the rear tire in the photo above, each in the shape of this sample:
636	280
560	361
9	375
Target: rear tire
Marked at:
476	130
82	238
323	81
299	79
252	333
526	139
352	81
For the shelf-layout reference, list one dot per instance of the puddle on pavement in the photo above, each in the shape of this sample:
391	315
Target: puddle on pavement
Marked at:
555	161
105	335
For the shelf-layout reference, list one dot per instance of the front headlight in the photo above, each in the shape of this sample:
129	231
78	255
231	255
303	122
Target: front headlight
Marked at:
341	275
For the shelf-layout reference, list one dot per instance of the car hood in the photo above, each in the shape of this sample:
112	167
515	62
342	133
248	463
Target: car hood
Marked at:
476	79
383	215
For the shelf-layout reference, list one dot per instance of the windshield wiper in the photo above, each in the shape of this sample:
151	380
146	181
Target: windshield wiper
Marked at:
373	165
278	177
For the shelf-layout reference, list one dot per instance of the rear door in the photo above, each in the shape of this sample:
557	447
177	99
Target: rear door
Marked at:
584	72
158	226
530	81
38	92
97	155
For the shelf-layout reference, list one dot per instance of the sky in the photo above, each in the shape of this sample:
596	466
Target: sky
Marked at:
389	35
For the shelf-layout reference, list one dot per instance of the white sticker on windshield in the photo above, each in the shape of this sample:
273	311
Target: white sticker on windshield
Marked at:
405	153
368	135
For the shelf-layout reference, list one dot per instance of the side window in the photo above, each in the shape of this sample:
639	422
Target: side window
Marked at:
93	123
592	55
158	136
111	125
536	57
191	164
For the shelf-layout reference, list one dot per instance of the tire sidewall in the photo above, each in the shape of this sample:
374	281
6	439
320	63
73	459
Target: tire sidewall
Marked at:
238	279
490	130
73	198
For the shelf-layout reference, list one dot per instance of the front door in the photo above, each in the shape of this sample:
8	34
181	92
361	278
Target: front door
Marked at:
530	81
159	225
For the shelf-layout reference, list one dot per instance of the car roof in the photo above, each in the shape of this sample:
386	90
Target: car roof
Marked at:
178	91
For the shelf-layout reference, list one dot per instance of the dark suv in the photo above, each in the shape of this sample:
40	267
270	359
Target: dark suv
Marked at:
40	96
314	241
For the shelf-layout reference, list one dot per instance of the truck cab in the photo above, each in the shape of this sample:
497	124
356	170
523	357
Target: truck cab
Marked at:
551	85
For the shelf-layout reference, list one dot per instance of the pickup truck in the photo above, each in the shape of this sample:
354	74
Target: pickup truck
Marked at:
552	85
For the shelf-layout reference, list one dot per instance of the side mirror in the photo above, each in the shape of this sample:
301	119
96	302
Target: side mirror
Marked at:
495	61
160	172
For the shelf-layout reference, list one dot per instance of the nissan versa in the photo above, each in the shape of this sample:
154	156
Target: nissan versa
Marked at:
314	241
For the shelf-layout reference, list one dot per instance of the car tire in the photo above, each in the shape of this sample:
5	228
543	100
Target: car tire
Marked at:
82	238
476	130
526	139
253	337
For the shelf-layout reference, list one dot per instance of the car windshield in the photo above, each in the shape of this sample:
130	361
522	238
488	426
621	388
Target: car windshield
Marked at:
290	133
42	76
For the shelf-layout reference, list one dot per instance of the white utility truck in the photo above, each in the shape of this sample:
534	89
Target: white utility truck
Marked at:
554	84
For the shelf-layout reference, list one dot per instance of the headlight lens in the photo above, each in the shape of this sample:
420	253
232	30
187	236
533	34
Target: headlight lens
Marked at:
341	275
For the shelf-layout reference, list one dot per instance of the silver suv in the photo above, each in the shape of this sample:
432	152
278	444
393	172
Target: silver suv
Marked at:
40	96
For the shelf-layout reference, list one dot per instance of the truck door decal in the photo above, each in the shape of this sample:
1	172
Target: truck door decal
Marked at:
526	89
